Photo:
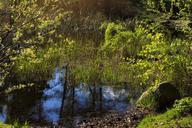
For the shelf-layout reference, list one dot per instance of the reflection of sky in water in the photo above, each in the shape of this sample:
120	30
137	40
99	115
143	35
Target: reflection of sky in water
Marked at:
52	97
3	113
113	99
82	96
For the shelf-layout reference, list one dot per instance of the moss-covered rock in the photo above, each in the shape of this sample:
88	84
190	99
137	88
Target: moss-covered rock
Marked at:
159	97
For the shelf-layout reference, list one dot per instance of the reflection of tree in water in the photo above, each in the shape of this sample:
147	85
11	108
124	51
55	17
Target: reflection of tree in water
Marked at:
53	100
32	105
3	112
19	107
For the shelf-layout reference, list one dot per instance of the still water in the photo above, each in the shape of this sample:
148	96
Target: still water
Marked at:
47	106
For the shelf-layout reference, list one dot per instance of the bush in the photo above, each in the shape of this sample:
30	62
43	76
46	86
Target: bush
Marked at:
184	105
148	99
37	65
119	39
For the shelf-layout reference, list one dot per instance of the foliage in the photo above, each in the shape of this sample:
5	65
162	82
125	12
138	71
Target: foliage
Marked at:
170	59
16	124
171	6
148	99
184	105
141	55
138	48
172	118
35	65
150	53
18	87
128	43
23	25
5	125
169	119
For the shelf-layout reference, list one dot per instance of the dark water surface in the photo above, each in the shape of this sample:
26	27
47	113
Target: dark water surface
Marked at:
44	106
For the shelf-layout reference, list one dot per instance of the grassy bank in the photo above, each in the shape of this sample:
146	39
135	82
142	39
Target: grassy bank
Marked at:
171	119
178	116
2	125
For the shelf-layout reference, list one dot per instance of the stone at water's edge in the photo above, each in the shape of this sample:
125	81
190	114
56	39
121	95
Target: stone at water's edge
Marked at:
159	97
167	94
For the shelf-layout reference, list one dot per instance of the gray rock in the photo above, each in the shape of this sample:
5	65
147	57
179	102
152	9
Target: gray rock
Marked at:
159	97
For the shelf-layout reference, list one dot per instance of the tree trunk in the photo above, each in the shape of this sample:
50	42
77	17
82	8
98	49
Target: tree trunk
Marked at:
73	100
100	99
64	90
94	96
40	111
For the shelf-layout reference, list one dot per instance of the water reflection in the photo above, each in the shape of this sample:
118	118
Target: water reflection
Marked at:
82	97
115	99
46	105
52	97
3	113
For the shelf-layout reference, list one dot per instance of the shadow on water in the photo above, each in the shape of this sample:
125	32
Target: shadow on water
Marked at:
44	106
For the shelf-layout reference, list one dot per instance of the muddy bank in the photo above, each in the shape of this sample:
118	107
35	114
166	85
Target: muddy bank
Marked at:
128	119
113	119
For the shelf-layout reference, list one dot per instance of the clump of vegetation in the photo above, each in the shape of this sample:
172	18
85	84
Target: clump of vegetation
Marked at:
16	124
24	26
18	87
178	116
135	52
39	62
2	125
148	99
184	105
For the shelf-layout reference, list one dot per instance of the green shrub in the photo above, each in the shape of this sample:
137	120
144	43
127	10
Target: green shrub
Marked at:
184	105
148	99
118	39
34	65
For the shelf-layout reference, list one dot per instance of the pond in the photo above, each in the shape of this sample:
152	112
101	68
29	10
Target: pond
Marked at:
50	106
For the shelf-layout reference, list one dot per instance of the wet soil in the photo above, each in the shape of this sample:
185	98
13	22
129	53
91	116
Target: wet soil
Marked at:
114	119
128	119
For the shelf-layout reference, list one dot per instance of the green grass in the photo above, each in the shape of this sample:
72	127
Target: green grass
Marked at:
148	99
5	125
180	116
15	124
170	119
